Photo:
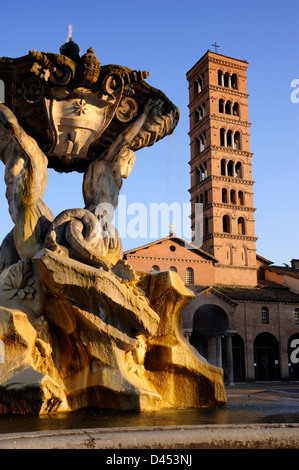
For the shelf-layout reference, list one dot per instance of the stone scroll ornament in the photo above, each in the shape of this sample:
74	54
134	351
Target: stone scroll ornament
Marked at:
80	327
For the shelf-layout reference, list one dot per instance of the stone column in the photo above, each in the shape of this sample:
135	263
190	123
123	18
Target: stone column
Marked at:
212	351
230	364
187	333
222	79
234	166
229	81
225	139
218	352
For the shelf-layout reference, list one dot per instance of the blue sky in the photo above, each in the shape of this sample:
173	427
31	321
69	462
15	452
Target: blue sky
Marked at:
166	38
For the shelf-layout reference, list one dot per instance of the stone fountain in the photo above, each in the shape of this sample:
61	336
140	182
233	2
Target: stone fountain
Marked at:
78	326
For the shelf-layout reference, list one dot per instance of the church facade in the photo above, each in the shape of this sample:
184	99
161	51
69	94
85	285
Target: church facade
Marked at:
244	316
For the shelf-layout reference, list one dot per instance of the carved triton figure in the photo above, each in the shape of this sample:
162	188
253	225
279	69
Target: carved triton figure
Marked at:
91	120
87	329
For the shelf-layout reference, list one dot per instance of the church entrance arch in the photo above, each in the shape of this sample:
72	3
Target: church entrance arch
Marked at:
293	365
212	338
266	357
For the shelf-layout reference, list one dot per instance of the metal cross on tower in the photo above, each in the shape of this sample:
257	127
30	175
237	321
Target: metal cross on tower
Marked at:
215	45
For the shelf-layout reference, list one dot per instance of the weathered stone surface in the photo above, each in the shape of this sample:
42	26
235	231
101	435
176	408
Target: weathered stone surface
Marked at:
79	326
27	373
225	436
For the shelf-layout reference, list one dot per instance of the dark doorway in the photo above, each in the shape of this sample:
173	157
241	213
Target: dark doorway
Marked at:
266	358
200	343
238	358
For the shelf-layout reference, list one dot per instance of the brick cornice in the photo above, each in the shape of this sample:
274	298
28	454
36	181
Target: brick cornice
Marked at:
221	60
230	236
223	89
221	149
227	206
218	117
174	260
228	179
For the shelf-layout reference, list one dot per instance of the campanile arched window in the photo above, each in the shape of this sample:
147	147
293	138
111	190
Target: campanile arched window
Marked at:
240	198
224	195
226	224
241	226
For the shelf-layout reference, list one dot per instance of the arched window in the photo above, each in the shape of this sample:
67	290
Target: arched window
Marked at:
198	85
224	195
197	176
234	81
155	268
223	167
197	146
226	79
228	107
241	226
203	171
236	109
203	141
244	255
240	198
221	106
265	316
229	254
201	198
223	137
173	268
236	140
200	143
233	196
230	168
200	112
226	224
206	197
296	316
206	226
238	170
189	276
229	138
220	78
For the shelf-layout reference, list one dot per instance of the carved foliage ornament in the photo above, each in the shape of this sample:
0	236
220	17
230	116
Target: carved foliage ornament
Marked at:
19	280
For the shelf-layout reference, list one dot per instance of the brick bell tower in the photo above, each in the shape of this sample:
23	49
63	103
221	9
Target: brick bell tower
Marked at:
221	164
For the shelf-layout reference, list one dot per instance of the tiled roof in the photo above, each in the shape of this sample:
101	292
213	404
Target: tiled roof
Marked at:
253	294
285	270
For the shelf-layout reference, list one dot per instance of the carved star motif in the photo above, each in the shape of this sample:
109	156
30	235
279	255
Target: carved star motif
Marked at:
80	107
